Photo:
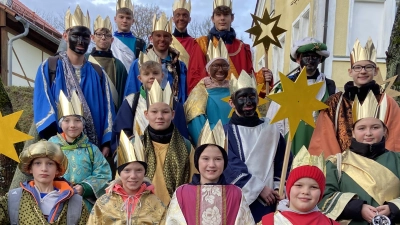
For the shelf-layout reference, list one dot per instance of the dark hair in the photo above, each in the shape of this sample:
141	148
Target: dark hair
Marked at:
225	10
57	165
383	124
122	167
125	11
200	150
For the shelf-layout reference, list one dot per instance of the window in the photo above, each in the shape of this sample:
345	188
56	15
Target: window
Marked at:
300	29
278	59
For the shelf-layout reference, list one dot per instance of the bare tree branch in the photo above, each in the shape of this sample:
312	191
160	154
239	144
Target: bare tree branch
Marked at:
198	28
55	19
142	27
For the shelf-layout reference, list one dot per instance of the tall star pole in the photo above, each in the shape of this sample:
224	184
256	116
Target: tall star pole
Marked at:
266	31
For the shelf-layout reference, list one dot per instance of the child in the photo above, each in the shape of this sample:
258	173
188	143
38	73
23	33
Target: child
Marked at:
47	199
130	199
87	170
130	117
304	187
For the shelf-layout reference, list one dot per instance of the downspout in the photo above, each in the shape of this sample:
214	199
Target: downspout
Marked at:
325	30
10	47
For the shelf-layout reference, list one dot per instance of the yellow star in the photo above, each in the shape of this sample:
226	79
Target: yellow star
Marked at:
388	89
266	30
298	102
9	135
261	101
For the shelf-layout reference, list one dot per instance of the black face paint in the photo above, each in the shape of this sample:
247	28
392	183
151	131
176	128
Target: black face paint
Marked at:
310	60
79	39
245	101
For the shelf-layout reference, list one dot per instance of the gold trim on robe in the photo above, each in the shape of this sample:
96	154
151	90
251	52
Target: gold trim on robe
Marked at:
280	219
196	103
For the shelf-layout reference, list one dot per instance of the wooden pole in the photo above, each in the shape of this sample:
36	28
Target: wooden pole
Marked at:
266	66
285	165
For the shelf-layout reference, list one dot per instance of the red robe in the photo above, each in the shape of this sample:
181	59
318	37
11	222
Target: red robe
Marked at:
240	58
313	218
197	62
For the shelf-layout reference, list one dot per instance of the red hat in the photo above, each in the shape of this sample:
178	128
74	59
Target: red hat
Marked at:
306	171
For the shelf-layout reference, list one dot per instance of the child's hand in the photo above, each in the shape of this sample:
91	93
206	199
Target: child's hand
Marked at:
79	189
106	151
268	195
368	212
383	210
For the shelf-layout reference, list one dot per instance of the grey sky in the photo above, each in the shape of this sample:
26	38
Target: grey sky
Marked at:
200	9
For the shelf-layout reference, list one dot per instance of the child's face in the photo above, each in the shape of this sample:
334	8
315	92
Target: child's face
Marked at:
148	76
72	127
159	115
304	195
43	170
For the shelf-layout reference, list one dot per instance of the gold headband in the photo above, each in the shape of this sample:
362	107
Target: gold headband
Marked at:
182	4
124	4
303	158
227	3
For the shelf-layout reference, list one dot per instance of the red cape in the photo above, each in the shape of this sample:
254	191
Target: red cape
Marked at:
314	218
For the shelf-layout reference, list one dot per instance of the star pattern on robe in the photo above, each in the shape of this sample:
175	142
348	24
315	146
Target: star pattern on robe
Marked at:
261	101
9	135
388	89
266	30
297	102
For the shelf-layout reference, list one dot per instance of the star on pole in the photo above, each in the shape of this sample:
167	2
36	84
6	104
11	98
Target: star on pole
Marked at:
9	135
297	102
388	89
261	101
266	30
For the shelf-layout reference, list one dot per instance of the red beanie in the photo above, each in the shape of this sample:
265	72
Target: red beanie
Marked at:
306	171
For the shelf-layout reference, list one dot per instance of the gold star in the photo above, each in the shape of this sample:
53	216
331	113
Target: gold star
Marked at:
388	89
298	102
266	30
9	135
261	101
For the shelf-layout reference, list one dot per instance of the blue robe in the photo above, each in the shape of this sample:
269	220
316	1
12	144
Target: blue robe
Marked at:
255	158
124	120
133	84
86	167
216	109
94	88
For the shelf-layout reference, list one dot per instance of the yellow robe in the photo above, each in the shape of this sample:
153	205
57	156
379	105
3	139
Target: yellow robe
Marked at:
160	188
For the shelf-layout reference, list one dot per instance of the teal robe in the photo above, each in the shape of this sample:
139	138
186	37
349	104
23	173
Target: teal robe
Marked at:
86	166
376	182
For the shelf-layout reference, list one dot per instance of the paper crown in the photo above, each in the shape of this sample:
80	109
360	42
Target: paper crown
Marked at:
215	136
156	94
303	158
149	56
162	23
359	53
99	23
244	81
227	3
182	4
124	4
217	52
128	152
370	108
69	107
77	19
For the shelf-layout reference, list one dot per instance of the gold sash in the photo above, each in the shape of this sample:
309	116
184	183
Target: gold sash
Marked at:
183	54
378	181
280	219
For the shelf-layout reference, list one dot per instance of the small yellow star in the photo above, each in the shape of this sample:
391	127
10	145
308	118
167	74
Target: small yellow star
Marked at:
266	30
261	101
388	89
298	102
9	135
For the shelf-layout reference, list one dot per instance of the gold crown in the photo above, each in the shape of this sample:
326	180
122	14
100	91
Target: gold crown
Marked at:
244	81
227	3
156	94
303	158
78	19
128	152
182	4
149	56
162	23
216	136
217	52
124	4
369	108
69	107
359	53
100	23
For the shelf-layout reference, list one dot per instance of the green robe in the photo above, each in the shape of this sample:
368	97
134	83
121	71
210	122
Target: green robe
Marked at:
376	183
